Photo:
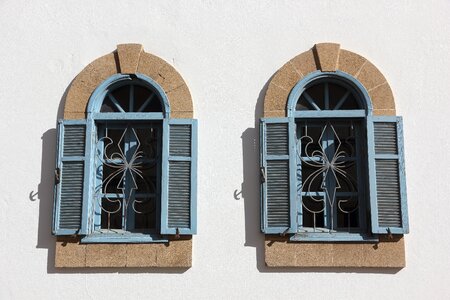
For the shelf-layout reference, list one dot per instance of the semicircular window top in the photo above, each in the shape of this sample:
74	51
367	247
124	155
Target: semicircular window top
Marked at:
328	94
332	171
132	96
126	173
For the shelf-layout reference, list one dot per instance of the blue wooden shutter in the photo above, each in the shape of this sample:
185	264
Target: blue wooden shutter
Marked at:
388	203
278	194
70	183
179	179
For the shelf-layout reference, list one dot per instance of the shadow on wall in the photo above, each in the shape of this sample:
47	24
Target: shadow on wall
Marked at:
251	194
45	239
251	184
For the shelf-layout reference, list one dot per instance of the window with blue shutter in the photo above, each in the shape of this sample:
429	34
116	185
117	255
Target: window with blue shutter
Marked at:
128	172
343	179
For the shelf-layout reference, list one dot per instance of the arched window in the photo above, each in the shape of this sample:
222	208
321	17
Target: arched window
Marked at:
127	172
332	171
329	111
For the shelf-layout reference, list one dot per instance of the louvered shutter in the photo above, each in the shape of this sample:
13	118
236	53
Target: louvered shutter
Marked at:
389	212
179	180
278	195
70	182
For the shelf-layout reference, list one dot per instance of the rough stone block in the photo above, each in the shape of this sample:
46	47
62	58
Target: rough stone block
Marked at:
180	99
384	112
346	255
182	115
388	253
279	254
327	56
382	97
313	255
150	65
74	115
128	55
350	62
286	77
176	254
276	98
141	255
305	63
370	76
69	253
106	255
169	78
275	114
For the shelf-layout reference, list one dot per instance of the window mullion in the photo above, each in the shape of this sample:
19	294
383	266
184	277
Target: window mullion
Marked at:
158	176
102	131
360	174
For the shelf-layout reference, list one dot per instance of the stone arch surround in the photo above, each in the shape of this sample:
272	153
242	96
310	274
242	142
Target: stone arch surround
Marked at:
128	59
328	57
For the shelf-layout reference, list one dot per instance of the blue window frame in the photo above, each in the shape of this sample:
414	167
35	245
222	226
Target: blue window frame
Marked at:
331	170
126	173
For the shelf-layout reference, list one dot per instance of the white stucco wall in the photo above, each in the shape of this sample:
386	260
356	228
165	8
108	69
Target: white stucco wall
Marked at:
226	51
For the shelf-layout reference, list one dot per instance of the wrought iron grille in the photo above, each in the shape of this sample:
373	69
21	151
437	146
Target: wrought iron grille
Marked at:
329	168
128	160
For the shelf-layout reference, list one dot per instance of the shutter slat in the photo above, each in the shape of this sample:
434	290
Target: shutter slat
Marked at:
178	207
180	140
277	139
278	192
179	195
389	211
69	191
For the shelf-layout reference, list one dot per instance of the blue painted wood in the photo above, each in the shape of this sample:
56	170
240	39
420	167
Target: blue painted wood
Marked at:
165	178
69	189
311	101
127	116
278	205
122	237
342	100
343	77
389	186
333	237
179	206
89	174
355	113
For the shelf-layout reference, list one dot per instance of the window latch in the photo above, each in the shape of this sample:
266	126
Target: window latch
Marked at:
57	175
263	174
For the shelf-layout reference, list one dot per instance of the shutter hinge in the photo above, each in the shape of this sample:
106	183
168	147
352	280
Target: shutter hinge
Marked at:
177	233
57	175
263	174
389	233
284	232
